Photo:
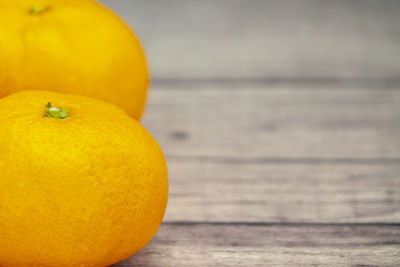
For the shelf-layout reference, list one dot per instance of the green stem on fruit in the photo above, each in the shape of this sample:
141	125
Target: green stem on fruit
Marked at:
56	113
38	10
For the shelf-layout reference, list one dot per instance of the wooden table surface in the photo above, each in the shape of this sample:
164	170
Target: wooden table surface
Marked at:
280	121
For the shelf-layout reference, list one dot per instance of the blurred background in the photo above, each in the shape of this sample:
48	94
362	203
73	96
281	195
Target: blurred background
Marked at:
267	39
280	121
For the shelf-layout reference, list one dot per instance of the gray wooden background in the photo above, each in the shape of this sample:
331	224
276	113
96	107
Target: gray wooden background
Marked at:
280	121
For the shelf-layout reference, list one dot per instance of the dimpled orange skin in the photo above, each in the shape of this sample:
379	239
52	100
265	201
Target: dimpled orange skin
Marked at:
88	190
71	46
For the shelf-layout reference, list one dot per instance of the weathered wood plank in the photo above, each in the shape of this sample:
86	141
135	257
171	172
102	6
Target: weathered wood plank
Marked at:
241	245
234	38
255	121
246	192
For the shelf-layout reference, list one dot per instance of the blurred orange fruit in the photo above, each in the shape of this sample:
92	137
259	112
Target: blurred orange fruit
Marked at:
71	46
82	183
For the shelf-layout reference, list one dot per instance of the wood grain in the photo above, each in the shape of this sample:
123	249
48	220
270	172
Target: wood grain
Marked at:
253	121
271	245
281	122
267	38
246	192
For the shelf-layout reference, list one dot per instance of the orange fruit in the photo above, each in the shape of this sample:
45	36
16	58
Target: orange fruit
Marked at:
82	183
71	46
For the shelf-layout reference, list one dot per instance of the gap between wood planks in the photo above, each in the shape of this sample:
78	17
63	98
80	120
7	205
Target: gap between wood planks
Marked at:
165	83
283	224
287	160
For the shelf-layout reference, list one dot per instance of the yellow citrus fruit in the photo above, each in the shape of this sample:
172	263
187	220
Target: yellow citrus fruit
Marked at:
81	184
71	46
